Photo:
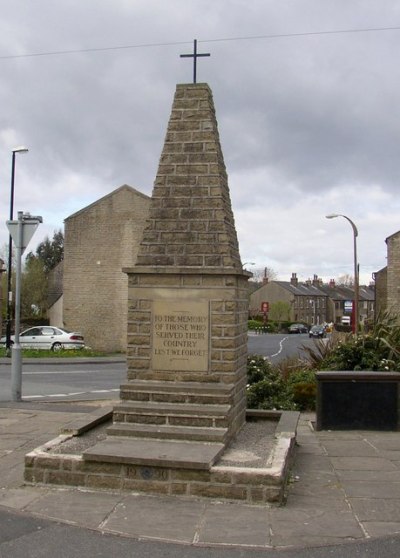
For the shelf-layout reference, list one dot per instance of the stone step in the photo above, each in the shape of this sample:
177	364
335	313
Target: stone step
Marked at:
155	453
168	432
177	392
173	414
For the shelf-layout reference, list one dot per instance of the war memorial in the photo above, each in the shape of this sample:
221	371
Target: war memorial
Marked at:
184	400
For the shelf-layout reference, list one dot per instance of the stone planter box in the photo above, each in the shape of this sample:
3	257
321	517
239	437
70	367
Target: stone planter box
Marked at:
358	401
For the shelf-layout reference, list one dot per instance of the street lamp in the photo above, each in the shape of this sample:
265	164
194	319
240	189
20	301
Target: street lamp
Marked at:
20	149
356	276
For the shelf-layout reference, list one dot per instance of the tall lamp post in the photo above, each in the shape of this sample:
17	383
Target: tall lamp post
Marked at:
356	273
9	287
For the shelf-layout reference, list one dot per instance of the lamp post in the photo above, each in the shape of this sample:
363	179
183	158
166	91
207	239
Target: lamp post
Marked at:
356	275
9	287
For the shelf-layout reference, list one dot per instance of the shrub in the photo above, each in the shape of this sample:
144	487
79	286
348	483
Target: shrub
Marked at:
269	389
253	324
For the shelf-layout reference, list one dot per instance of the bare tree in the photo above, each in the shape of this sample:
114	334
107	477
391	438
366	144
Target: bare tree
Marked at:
345	280
261	273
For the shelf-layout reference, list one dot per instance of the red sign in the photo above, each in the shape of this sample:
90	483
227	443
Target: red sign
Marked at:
264	307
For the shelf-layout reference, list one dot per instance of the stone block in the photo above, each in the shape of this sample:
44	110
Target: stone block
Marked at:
44	462
64	478
218	491
104	482
145	486
189	476
34	475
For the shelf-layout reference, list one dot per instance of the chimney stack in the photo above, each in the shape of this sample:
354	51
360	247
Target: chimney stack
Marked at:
293	280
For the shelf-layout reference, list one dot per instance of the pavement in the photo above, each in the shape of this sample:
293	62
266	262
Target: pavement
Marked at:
345	488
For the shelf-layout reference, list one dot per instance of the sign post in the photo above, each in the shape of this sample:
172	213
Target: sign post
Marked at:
21	232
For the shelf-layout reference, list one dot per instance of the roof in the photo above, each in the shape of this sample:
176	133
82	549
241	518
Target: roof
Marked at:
301	289
111	194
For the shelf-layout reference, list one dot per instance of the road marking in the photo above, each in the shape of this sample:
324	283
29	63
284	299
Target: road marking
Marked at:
58	371
280	347
72	394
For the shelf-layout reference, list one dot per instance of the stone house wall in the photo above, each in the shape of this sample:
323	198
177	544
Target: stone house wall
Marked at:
270	292
100	240
393	272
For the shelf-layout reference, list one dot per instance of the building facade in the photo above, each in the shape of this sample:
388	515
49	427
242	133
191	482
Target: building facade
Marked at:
99	241
314	302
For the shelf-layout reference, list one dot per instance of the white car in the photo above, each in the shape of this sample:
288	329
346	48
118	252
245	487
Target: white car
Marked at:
48	337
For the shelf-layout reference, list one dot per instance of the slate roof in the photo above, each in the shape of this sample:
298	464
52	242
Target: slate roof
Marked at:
301	289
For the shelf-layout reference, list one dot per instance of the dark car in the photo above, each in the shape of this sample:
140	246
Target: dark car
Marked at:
298	328
317	331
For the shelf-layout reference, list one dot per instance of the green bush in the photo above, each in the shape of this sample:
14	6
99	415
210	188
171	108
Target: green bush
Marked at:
304	395
253	324
268	389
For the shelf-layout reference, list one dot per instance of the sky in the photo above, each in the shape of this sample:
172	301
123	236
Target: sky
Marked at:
306	96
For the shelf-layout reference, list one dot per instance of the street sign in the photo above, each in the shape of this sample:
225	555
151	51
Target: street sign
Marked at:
348	306
264	306
28	230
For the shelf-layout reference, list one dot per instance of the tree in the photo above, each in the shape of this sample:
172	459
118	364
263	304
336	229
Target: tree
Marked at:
259	275
49	252
34	289
279	311
345	280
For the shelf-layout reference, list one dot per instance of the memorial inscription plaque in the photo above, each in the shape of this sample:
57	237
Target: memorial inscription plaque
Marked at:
180	335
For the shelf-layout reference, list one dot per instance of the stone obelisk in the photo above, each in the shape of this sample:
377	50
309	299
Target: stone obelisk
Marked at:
187	297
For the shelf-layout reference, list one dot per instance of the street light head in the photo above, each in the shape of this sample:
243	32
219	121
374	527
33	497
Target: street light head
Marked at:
332	215
20	149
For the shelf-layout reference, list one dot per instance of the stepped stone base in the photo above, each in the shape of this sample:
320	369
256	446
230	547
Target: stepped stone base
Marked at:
158	453
169	467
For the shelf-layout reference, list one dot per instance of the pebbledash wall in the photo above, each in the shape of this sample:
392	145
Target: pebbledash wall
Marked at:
100	240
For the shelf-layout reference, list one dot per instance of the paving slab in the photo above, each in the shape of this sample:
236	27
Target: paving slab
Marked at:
393	475
372	489
327	526
88	509
307	463
322	485
349	448
381	528
374	509
363	463
19	498
222	524
156	518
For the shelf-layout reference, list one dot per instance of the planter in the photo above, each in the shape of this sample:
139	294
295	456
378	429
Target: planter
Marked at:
358	400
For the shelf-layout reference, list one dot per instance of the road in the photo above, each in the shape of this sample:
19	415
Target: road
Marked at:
65	381
77	380
279	346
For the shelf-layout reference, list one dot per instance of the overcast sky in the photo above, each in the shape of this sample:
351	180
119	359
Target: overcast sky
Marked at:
309	119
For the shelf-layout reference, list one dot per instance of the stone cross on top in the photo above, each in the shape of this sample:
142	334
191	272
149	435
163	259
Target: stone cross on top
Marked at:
195	56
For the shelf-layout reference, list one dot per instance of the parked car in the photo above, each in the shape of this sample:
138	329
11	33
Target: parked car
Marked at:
48	337
317	331
298	328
